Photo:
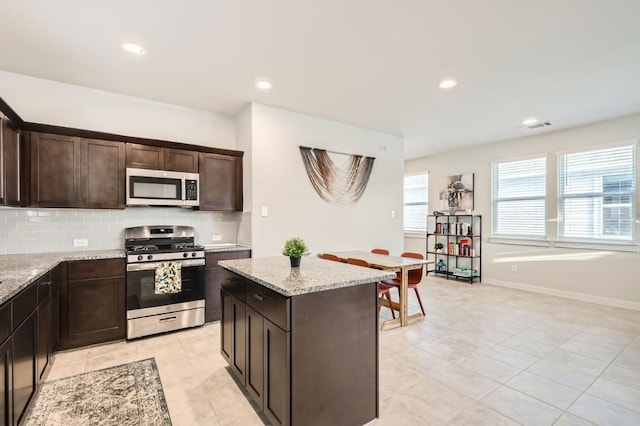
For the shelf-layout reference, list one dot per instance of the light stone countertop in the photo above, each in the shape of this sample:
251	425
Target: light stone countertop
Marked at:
17	271
212	248
313	275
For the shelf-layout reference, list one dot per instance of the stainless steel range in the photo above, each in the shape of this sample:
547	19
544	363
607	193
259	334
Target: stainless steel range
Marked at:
165	279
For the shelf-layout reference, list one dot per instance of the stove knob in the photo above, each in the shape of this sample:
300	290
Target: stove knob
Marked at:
140	257
193	254
150	257
185	255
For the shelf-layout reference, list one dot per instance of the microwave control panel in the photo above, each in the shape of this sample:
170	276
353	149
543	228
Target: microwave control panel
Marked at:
191	189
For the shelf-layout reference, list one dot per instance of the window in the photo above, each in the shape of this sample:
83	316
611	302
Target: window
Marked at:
596	194
416	203
518	195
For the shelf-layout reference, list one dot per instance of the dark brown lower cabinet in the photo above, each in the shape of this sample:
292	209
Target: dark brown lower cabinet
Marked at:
233	336
92	303
276	374
44	337
213	309
255	355
310	359
24	365
6	382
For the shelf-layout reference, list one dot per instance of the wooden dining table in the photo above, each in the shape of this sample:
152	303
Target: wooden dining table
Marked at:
394	264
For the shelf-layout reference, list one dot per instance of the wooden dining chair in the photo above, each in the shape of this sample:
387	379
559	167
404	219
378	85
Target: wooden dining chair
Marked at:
380	251
333	257
384	290
414	277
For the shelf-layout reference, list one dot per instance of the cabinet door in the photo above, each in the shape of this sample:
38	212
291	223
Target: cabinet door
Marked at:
95	311
145	156
24	365
276	374
56	279
180	160
226	327
9	166
6	383
103	174
213	310
238	350
55	171
44	337
220	182
255	356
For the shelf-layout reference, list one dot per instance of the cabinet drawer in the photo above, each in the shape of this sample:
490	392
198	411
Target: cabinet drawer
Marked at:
88	269
272	305
23	304
233	284
5	321
212	258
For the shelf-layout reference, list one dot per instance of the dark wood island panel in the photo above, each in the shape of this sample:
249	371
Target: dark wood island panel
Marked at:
307	359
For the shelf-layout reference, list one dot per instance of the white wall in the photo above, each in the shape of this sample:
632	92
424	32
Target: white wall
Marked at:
279	182
604	276
50	102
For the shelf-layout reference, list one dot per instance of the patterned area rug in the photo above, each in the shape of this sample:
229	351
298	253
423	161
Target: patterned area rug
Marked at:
125	395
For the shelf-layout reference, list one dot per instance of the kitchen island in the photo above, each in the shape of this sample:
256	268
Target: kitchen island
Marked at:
303	341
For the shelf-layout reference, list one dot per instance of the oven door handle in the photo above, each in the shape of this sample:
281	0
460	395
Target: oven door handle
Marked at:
153	265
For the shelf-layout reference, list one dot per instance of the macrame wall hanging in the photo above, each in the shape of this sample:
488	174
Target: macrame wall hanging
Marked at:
343	186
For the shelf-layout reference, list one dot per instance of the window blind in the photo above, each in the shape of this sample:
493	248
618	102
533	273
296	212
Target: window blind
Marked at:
416	203
596	194
518	194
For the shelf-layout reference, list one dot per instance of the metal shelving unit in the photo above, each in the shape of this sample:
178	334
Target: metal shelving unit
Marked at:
461	255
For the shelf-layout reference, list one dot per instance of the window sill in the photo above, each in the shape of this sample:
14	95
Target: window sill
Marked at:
410	234
520	241
599	245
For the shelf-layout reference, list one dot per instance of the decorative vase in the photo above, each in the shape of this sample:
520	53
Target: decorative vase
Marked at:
295	261
452	210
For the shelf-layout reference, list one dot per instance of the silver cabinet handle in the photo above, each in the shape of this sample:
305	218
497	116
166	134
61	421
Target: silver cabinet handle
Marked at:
167	319
259	297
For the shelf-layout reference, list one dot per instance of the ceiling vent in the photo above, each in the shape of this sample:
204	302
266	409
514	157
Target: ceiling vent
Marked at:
536	125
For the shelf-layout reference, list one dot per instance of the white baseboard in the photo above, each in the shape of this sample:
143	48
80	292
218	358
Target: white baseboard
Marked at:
563	293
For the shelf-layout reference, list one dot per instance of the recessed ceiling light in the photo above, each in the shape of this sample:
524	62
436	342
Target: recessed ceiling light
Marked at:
133	48
530	121
447	84
263	85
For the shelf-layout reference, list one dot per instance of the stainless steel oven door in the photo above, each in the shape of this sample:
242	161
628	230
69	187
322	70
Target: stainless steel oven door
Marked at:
141	285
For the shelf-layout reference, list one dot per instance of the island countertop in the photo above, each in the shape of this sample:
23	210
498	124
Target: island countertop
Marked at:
313	275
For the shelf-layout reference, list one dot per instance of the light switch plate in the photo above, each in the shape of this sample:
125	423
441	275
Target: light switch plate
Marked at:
265	211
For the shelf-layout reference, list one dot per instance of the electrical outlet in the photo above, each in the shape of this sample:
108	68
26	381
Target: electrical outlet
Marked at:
216	238
514	268
393	214
80	242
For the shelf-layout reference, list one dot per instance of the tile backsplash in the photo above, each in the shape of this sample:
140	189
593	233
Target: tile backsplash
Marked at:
52	230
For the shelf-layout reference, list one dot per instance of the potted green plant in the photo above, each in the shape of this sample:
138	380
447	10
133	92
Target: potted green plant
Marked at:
438	247
295	248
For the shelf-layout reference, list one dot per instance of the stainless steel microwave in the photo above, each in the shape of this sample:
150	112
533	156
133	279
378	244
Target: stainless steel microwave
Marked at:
162	188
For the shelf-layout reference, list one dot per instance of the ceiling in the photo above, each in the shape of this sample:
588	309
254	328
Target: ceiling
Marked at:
369	63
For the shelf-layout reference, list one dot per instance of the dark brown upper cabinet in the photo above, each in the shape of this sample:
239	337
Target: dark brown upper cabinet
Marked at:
181	160
68	171
145	156
9	165
159	158
55	170
220	182
103	174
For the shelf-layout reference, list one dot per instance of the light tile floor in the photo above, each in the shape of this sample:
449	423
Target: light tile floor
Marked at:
485	355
